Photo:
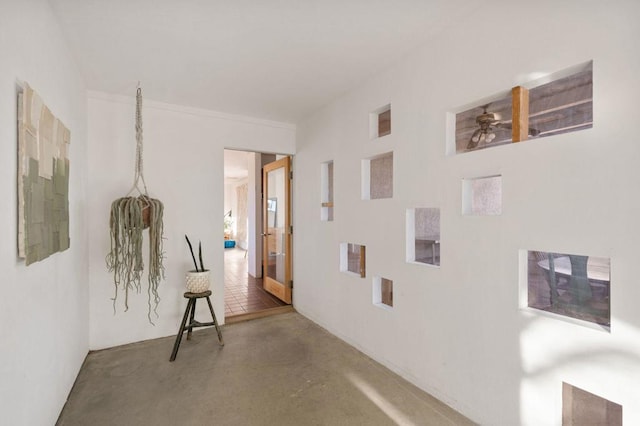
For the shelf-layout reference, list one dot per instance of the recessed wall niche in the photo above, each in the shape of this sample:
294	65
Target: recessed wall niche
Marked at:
423	236
353	259
380	122
559	103
580	407
482	196
383	292
377	177
574	286
326	191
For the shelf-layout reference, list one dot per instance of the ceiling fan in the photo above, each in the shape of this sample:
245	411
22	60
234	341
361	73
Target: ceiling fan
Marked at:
489	122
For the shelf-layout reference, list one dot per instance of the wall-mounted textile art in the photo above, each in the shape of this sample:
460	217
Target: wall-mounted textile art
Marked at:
43	179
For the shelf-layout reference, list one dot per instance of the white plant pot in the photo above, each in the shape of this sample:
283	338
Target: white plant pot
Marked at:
197	282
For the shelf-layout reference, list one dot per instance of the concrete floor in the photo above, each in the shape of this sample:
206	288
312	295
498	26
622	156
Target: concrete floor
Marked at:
279	370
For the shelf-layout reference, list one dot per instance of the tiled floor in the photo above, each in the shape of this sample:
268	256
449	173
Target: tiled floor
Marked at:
242	292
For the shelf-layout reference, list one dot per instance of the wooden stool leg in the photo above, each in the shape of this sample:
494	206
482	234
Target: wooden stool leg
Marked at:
176	345
191	318
215	322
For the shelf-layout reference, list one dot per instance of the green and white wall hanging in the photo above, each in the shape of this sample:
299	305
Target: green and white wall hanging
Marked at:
43	179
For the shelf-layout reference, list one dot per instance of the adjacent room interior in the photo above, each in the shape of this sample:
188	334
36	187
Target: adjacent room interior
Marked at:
393	211
244	289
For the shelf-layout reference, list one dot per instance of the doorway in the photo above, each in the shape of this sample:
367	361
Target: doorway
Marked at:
245	295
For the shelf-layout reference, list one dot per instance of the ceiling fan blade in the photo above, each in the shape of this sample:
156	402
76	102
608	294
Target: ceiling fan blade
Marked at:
475	138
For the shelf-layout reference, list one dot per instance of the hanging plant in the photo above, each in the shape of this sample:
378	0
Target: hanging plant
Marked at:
130	215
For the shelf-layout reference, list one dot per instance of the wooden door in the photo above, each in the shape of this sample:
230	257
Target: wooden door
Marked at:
276	190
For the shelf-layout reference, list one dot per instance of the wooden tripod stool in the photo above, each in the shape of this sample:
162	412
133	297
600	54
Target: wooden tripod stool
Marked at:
190	313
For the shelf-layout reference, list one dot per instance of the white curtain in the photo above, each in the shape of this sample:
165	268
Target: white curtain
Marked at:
242	192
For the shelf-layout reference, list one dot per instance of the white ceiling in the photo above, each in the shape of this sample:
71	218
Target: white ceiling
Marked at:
236	166
271	59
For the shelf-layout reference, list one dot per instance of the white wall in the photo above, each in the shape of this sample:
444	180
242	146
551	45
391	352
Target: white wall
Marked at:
183	168
254	208
44	327
457	331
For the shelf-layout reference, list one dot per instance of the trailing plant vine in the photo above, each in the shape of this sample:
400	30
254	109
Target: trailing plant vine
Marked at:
129	217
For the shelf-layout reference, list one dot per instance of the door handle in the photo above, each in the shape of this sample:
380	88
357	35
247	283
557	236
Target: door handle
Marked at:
264	235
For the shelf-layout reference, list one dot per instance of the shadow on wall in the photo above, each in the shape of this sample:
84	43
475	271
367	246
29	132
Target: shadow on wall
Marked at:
547	361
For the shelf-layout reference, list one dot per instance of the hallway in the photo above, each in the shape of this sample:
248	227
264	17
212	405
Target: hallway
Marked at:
242	292
279	370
